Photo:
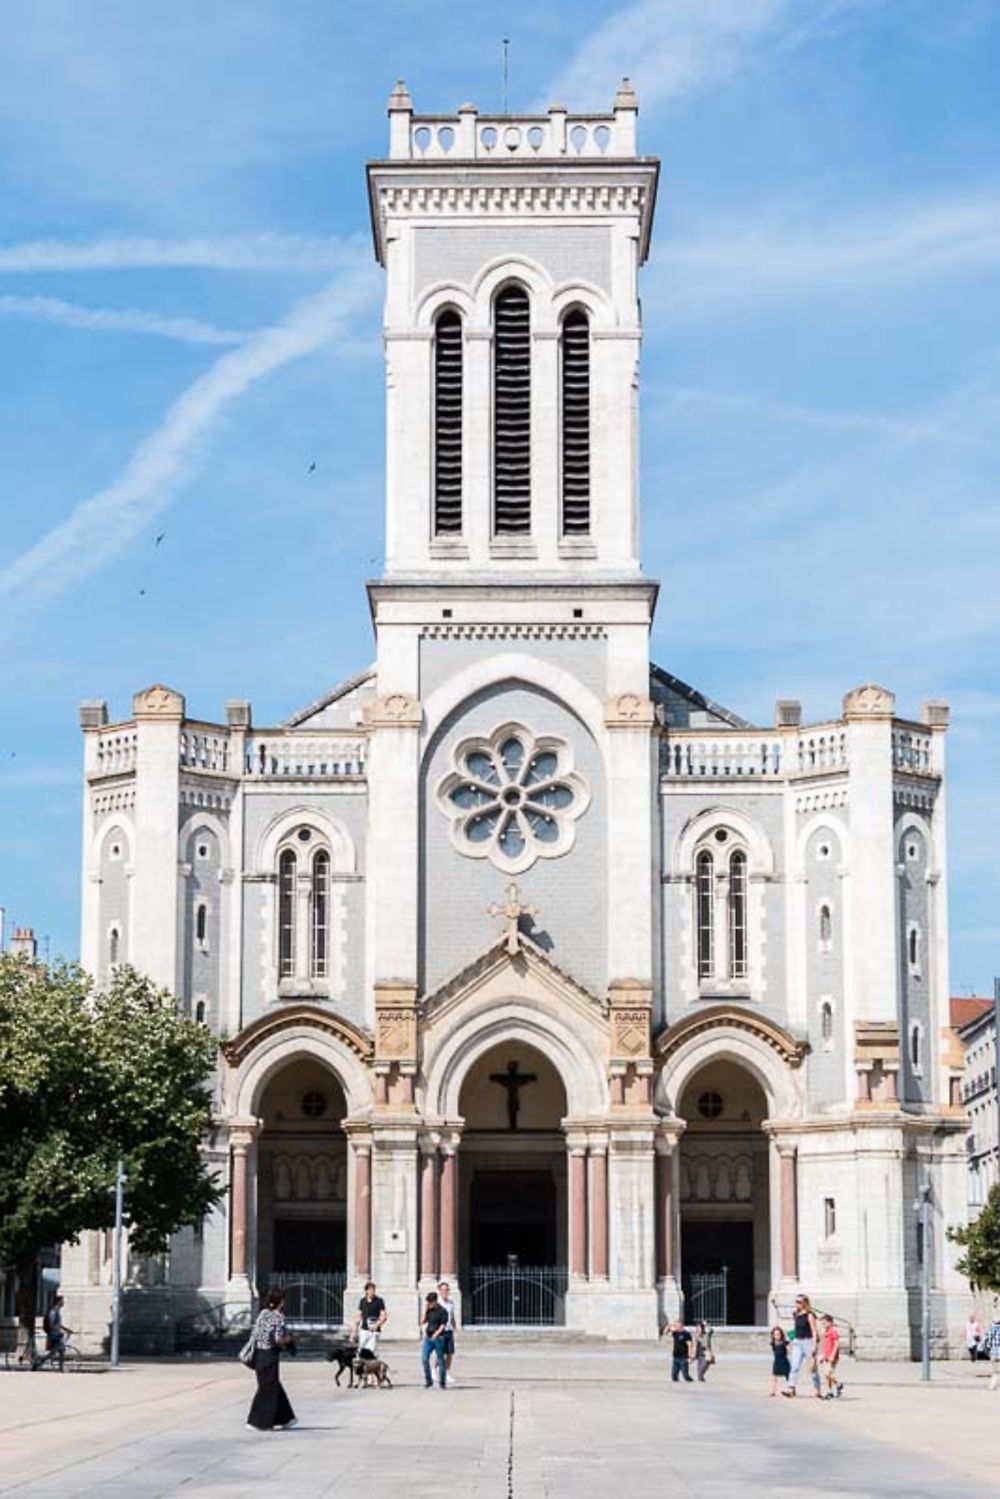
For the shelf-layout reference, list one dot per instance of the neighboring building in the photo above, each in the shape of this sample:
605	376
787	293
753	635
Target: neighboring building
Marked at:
524	952
975	1021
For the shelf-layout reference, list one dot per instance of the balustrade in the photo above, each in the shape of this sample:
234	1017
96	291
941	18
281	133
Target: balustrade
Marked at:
911	750
204	750
116	751
724	757
303	758
499	137
823	747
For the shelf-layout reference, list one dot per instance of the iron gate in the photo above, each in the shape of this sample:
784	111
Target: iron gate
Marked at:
312	1299
515	1295
706	1297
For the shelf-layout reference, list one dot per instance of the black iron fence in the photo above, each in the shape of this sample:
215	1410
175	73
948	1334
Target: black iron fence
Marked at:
312	1299
515	1295
706	1297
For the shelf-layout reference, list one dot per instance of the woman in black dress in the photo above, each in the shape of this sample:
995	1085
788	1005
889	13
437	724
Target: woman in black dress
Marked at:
271	1409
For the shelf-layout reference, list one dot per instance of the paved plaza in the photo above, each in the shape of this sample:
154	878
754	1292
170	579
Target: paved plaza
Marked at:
570	1423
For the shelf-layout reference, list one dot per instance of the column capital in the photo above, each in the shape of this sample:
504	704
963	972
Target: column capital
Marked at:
243	1130
668	1134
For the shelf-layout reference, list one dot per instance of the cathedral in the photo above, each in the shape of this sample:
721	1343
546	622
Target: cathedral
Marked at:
534	968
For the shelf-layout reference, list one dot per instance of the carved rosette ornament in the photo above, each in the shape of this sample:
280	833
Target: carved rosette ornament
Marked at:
158	702
395	710
869	701
629	710
513	797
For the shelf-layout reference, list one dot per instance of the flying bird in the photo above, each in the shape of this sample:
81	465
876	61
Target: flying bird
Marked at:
159	538
312	468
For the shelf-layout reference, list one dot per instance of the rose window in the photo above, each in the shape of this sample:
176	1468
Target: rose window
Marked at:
513	798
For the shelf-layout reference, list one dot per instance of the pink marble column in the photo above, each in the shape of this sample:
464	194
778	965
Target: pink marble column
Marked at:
241	1149
599	1212
664	1215
428	1227
449	1202
789	1214
578	1210
362	1209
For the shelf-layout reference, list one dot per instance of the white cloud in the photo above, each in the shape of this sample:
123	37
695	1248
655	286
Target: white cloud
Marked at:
779	258
113	320
673	48
234	252
102	525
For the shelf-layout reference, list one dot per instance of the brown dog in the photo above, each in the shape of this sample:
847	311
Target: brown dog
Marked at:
373	1372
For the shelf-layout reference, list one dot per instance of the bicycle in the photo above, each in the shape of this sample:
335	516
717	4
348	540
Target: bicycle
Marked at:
27	1360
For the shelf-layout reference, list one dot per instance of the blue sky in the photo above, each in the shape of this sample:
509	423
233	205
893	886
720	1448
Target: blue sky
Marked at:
189	319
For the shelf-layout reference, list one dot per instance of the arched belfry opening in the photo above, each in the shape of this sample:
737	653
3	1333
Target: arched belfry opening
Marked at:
724	1197
512	1187
302	1189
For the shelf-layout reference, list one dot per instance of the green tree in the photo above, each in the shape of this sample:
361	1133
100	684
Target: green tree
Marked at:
980	1264
89	1076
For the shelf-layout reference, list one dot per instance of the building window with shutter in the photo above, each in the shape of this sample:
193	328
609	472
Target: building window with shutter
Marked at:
512	412
320	914
575	348
286	914
448	423
705	900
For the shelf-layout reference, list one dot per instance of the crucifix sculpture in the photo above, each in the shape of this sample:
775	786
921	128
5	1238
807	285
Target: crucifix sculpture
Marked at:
513	1080
512	910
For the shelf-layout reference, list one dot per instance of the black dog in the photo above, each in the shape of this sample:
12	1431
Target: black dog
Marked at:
343	1355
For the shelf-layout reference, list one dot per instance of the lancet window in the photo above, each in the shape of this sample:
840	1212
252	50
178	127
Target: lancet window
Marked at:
575	373
448	423
512	412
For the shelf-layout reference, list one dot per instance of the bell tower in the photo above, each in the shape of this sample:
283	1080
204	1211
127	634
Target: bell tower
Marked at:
512	591
511	247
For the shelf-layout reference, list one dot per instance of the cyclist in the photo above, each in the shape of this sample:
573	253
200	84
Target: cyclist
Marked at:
55	1334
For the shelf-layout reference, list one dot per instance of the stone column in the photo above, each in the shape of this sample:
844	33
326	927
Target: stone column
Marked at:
599	1211
241	1137
428	1225
362	1209
449	1204
665	1231
578	1210
789	1214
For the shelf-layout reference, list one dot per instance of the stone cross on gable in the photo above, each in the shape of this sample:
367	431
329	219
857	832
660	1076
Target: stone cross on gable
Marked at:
512	910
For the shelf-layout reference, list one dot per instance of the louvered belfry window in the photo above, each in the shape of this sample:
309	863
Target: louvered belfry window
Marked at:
448	424
576	423
512	412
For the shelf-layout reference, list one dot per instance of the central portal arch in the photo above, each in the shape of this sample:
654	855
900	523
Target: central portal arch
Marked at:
512	1220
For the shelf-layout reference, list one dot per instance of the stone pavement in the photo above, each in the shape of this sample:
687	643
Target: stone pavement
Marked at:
566	1423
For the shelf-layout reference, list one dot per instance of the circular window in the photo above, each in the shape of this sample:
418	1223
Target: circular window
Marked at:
313	1105
202	850
823	852
710	1105
304	835
721	835
116	850
912	851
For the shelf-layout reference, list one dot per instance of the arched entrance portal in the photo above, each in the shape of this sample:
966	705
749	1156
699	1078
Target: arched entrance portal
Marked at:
302	1190
512	1188
725	1222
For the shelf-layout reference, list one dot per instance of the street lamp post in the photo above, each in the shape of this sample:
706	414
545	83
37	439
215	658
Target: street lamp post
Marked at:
116	1295
922	1208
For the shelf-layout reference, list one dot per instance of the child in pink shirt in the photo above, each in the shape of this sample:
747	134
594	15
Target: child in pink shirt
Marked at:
829	1352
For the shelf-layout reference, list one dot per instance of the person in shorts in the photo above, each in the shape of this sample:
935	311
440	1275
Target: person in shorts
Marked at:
829	1352
369	1320
445	1301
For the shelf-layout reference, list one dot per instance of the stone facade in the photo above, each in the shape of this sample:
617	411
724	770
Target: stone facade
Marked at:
521	951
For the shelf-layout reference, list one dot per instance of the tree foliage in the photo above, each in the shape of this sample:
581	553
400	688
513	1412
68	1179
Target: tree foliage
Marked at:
89	1076
980	1264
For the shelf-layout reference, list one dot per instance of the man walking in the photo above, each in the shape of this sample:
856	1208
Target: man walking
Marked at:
369	1321
445	1301
434	1321
682	1352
